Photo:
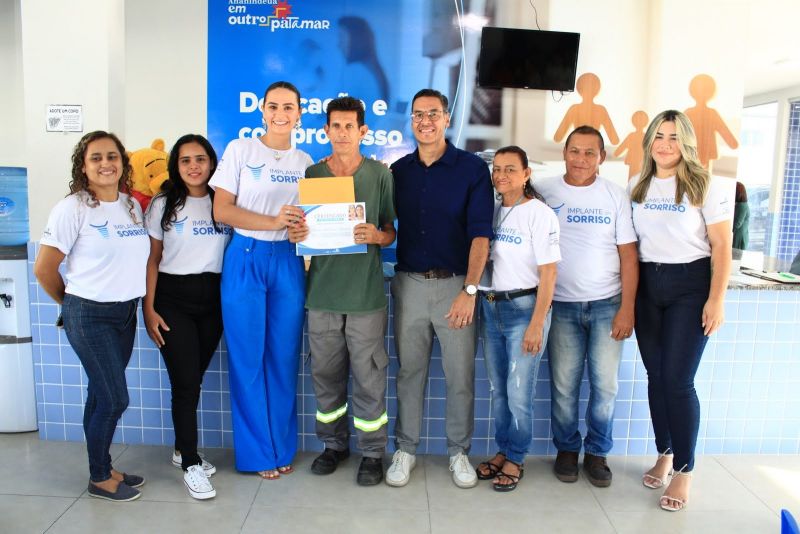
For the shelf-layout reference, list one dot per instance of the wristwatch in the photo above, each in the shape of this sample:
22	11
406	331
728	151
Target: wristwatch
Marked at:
471	289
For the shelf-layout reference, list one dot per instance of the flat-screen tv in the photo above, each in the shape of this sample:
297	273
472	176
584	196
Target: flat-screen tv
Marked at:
528	59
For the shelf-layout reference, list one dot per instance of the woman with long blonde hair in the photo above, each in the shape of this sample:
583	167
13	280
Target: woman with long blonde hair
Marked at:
682	216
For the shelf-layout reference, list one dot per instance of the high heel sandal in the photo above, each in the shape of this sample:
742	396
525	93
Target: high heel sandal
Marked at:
674	504
652	481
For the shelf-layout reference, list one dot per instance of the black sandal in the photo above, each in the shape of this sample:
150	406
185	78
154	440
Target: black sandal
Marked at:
492	469
513	478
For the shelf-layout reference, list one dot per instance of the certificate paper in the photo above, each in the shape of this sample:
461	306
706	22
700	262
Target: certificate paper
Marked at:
331	229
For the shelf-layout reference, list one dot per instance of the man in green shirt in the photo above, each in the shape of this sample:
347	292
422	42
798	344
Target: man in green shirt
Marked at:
347	308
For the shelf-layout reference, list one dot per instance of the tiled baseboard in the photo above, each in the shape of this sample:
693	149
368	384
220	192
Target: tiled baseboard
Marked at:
748	384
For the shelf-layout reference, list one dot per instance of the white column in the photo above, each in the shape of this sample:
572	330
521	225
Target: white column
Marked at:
12	131
73	53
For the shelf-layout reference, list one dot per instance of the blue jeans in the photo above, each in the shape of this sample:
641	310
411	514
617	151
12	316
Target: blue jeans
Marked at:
101	334
580	332
669	310
512	373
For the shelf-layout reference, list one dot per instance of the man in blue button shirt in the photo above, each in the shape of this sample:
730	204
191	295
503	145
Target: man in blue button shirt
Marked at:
444	206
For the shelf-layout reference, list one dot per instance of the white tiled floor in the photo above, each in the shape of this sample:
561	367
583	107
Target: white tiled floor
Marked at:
43	483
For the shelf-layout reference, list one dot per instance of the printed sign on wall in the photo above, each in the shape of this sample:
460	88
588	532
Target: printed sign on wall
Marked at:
379	52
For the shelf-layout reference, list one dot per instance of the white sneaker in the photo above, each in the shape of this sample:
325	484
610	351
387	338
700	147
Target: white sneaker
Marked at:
208	467
399	473
463	473
198	484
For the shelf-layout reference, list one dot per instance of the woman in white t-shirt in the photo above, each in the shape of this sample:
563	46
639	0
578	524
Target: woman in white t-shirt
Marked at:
682	216
99	231
263	285
516	293
182	310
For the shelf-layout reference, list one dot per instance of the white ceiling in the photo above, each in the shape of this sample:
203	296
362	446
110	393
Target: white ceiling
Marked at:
773	51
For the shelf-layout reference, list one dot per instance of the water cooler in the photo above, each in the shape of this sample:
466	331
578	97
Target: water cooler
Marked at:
17	392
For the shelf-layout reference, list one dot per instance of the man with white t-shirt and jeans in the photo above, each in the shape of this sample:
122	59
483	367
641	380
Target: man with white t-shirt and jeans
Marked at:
593	303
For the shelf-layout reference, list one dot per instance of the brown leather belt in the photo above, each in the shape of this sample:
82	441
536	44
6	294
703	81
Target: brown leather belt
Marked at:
437	274
492	296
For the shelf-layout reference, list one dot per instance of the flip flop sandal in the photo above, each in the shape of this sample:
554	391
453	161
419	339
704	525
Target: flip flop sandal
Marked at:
492	469
286	469
270	474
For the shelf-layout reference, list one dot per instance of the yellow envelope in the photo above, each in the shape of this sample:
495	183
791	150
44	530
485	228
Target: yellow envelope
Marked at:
334	190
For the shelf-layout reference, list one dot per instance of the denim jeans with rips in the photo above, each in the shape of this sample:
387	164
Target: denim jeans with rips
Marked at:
512	372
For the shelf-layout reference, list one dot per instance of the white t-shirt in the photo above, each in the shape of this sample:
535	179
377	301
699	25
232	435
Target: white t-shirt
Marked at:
191	245
526	238
263	180
593	220
670	233
106	251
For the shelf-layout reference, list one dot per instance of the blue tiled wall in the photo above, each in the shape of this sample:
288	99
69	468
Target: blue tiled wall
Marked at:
789	224
748	383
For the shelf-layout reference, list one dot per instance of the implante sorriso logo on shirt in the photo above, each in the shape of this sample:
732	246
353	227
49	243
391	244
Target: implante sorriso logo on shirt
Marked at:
663	204
102	229
178	225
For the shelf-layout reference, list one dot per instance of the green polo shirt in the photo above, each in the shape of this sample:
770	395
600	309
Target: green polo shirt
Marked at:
353	283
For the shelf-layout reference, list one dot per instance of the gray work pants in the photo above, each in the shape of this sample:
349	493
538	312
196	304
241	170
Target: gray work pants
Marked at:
339	343
420	309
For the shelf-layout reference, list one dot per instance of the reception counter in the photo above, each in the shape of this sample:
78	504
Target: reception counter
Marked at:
748	384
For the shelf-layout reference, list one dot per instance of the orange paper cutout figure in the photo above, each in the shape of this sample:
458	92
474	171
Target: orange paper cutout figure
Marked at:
707	121
632	144
587	112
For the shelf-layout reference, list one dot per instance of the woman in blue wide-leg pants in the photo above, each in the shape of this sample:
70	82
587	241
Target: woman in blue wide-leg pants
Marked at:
263	284
263	298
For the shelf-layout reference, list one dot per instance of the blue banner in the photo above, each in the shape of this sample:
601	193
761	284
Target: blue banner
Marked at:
381	52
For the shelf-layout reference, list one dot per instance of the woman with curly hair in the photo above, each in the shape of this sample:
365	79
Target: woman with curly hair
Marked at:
182	310
100	232
682	217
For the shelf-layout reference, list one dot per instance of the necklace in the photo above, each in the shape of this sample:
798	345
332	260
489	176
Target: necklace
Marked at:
496	225
276	153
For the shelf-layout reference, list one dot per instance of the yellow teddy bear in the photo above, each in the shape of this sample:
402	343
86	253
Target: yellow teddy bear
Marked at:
148	172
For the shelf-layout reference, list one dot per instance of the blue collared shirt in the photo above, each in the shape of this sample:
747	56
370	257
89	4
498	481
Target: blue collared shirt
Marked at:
440	209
